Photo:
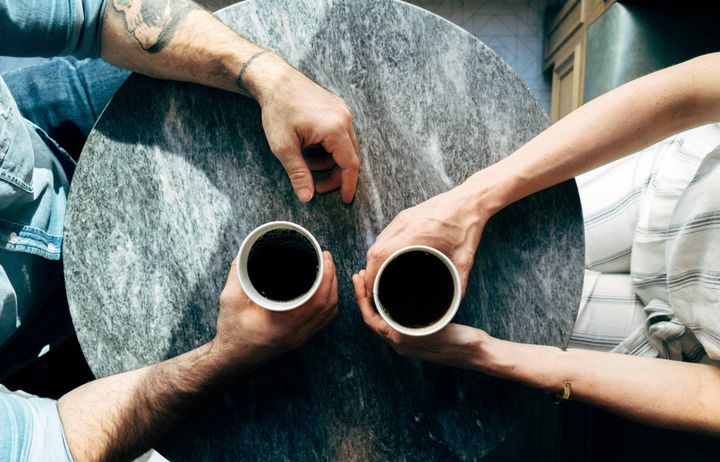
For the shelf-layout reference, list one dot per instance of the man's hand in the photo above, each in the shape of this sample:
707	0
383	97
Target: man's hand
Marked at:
248	335
119	417
451	222
177	39
296	114
455	345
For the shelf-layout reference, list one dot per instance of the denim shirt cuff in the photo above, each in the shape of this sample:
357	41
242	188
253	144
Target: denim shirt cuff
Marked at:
86	22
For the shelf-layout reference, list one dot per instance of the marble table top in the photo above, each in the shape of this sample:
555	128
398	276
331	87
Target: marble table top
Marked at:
174	175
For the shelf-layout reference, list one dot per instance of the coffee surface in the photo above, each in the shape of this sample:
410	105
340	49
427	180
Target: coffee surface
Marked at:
282	265
416	289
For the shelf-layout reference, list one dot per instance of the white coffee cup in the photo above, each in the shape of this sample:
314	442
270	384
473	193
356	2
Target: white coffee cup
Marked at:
449	314
242	267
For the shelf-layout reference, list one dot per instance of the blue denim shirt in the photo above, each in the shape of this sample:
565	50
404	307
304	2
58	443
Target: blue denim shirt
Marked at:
34	185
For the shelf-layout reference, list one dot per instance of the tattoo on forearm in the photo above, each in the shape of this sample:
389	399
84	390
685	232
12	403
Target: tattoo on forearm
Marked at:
153	22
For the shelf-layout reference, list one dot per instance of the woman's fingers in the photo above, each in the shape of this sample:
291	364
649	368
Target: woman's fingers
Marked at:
370	316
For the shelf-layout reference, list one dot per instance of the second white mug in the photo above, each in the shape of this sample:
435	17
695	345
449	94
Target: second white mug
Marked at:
417	290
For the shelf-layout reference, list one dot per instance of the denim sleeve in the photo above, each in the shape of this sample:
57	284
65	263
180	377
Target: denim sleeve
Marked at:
51	27
30	429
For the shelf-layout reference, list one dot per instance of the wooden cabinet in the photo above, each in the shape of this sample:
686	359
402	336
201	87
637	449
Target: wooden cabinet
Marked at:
565	53
567	82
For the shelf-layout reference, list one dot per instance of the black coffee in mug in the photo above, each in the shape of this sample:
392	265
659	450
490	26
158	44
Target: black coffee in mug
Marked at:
416	289
282	265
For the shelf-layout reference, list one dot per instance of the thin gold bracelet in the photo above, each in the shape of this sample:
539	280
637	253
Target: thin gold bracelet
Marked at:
567	388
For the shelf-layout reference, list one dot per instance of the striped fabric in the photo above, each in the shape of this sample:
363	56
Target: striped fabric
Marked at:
30	429
652	227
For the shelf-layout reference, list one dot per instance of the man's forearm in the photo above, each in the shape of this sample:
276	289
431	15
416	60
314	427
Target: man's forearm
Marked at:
614	125
121	416
656	392
179	40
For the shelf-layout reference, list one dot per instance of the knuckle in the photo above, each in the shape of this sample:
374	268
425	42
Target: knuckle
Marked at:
354	162
375	253
284	150
298	175
340	121
338	129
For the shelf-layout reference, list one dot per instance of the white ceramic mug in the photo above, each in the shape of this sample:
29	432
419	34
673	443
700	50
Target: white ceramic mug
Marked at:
242	269
449	314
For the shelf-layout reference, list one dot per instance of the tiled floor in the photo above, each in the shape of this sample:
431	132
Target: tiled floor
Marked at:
511	28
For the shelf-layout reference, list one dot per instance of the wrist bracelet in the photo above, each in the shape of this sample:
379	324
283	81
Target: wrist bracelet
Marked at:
239	79
567	388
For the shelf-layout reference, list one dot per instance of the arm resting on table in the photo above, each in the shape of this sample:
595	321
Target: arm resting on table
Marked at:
614	125
658	392
119	417
179	40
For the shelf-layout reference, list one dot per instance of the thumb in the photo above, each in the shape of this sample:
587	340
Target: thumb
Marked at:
298	172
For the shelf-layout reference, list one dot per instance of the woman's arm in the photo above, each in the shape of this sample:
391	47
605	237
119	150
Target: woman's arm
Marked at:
621	122
657	392
661	393
614	125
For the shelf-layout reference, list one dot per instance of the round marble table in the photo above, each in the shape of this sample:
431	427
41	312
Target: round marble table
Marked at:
174	175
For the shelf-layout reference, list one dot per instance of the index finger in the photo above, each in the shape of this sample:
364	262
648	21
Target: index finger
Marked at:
343	151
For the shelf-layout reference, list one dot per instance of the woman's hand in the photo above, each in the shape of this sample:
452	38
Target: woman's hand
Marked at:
455	345
451	222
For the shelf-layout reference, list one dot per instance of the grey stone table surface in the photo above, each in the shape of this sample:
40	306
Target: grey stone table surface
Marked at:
174	175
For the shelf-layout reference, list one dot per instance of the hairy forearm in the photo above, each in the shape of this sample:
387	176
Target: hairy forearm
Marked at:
179	40
614	125
662	393
121	416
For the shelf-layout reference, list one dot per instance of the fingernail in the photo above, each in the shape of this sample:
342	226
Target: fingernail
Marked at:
348	205
304	195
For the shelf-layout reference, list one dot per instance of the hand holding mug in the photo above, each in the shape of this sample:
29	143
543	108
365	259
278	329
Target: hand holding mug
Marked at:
451	222
249	335
455	345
